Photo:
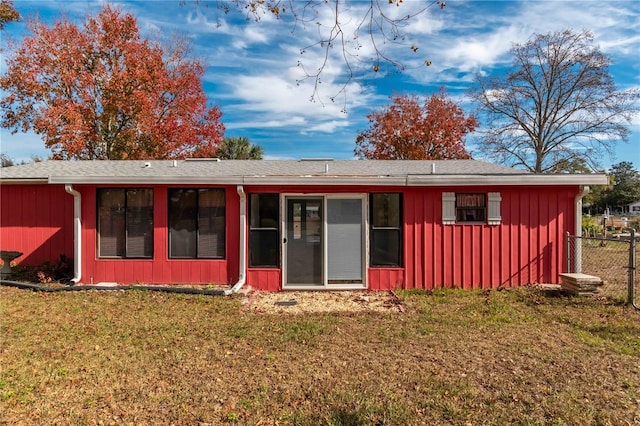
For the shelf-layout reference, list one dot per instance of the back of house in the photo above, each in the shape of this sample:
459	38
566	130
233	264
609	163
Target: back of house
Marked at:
285	224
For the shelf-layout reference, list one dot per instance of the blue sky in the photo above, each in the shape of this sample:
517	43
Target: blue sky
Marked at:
252	70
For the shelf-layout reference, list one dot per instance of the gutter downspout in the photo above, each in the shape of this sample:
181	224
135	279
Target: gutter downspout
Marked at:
242	277
584	190
77	233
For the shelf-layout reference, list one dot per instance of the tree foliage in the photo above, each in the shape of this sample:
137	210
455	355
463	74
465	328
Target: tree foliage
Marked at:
100	91
239	149
557	104
626	185
407	130
7	13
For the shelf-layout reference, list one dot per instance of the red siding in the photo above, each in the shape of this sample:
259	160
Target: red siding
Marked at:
269	279
160	269
386	278
526	247
36	220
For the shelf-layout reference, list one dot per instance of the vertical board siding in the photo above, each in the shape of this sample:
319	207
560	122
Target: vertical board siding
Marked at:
386	278
36	220
160	269
266	279
525	248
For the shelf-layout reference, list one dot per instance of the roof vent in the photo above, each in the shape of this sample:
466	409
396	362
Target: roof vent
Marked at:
147	165
433	168
215	160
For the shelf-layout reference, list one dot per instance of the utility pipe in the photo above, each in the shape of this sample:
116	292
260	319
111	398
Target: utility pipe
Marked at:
242	277
584	190
164	289
77	233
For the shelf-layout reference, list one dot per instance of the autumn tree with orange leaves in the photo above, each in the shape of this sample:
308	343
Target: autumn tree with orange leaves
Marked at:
407	130
101	91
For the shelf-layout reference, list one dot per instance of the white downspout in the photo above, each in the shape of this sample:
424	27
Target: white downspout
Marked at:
242	278
584	190
77	233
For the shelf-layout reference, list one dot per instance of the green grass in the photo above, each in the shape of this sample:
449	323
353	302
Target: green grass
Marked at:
453	357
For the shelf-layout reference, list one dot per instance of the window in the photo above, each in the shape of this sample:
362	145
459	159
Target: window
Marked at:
264	230
125	223
196	223
385	218
471	207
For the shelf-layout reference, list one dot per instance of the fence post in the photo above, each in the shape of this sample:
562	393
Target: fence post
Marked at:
632	269
568	244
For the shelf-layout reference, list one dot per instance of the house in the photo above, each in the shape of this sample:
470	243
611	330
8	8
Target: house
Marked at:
307	224
634	208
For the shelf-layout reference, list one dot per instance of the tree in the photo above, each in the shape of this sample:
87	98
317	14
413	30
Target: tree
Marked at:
626	185
5	160
102	92
558	103
408	131
239	149
574	165
7	13
364	33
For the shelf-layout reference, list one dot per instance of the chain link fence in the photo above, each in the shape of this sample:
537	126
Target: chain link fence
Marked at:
613	260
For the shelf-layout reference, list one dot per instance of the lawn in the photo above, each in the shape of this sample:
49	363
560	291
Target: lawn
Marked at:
452	357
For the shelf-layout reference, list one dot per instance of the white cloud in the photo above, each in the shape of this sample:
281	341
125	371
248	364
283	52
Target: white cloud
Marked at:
328	127
251	66
290	122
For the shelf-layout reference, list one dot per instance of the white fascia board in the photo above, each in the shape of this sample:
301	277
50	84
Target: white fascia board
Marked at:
411	180
234	180
327	180
18	181
147	180
507	180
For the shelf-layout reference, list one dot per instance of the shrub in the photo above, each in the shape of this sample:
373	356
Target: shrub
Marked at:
60	271
589	226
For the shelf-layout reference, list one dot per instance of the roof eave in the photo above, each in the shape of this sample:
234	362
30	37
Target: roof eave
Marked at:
18	181
507	180
411	180
145	180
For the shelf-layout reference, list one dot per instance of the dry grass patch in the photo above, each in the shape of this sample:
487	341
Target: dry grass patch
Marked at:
453	357
305	302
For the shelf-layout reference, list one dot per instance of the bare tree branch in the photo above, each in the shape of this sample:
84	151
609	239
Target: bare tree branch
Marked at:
342	32
556	105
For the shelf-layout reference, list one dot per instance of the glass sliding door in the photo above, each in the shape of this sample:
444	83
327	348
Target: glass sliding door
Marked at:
304	241
345	240
324	241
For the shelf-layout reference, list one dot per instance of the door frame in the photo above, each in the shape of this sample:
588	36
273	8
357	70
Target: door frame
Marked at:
364	243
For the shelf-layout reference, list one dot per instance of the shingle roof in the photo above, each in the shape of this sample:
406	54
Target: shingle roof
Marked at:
194	168
260	171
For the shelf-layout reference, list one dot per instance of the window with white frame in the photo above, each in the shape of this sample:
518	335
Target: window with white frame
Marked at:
469	207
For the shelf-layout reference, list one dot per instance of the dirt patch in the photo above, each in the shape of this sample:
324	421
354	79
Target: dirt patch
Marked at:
301	302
